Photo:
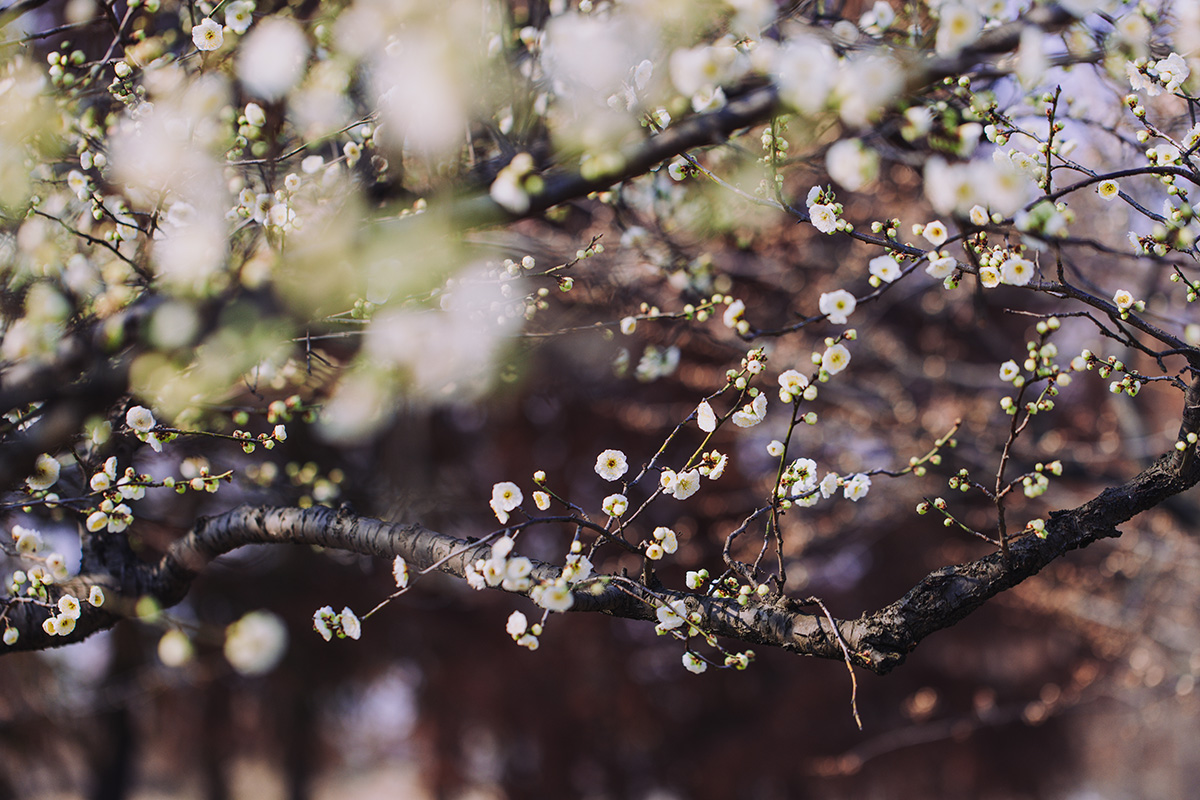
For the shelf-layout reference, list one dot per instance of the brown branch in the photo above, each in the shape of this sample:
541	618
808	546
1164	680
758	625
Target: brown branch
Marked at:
879	641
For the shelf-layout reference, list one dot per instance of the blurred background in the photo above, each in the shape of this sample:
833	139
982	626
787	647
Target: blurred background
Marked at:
1079	684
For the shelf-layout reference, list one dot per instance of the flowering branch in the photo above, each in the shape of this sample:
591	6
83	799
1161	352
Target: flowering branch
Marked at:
879	641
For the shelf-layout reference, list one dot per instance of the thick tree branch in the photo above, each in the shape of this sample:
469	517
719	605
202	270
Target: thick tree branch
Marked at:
878	641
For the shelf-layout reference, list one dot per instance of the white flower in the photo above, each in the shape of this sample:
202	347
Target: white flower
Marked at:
96	596
879	18
279	215
941	268
611	465
718	469
516	574
505	497
1172	71
57	564
311	164
1123	300
517	625
804	472
50	626
835	359
64	624
578	568
28	541
628	325
752	413
686	484
978	215
838	306
350	626
989	277
828	485
1016	271
1165	153
654	551
10	636
541	500
1108	189
823	217
207	35
272	58
502	547
68	606
667	479
238	16
104	479
46	470
140	419
554	597
693	663
400	572
671	615
668	539
128	490
935	233
775	448
856	488
475	578
885	268
957	28
851	164
706	418
615	505
792	382
1009	370
77	182
255	115
733	313
255	643
529	641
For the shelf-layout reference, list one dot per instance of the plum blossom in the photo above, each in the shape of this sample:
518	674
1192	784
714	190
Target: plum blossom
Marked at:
400	572
671	615
885	268
1016	271
835	359
207	35
752	413
611	465
46	470
686	484
837	306
238	16
791	385
856	487
935	233
615	505
505	497
941	268
823	217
